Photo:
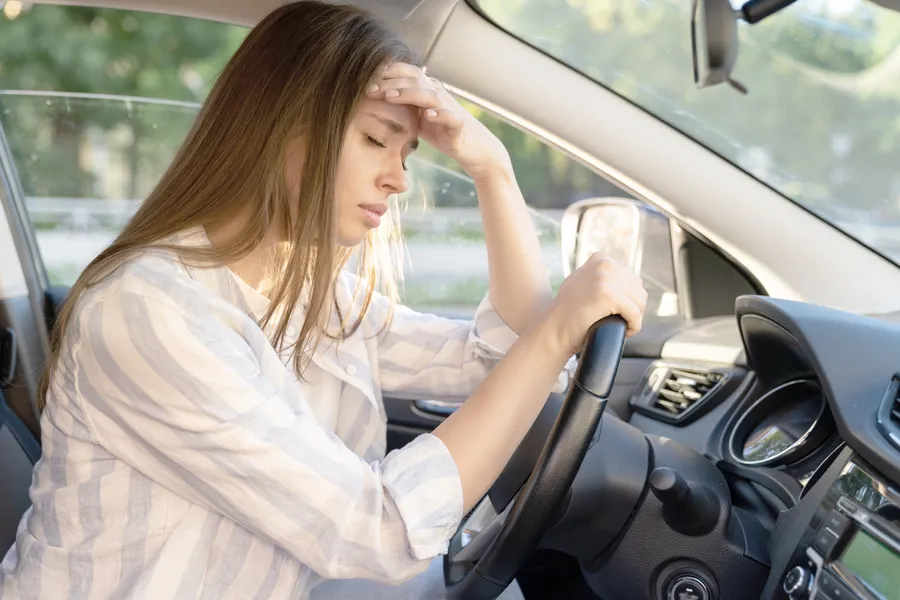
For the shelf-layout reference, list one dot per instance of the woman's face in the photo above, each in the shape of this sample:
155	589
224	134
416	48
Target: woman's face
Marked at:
371	167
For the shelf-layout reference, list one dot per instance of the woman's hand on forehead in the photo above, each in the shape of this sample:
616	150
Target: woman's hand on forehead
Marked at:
443	122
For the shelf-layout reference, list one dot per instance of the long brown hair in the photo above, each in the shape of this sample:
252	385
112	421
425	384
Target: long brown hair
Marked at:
303	68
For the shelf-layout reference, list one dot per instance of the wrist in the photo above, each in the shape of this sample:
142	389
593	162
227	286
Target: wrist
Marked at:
549	333
496	170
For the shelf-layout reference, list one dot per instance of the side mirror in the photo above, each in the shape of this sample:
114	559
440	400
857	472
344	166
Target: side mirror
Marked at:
630	232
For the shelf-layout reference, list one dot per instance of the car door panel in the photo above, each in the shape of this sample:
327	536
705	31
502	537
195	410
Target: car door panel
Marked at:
17	320
410	418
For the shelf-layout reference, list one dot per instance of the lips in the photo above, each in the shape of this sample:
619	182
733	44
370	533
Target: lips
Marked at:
378	209
372	213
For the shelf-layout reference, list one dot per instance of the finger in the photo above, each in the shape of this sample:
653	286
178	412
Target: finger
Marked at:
401	69
392	84
638	294
611	270
634	316
443	116
415	96
439	86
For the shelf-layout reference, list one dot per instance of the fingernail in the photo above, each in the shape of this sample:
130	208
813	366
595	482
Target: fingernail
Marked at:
431	113
392	94
373	88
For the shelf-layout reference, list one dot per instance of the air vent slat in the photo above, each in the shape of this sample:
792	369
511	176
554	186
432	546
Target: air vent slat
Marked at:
682	389
673	396
671	407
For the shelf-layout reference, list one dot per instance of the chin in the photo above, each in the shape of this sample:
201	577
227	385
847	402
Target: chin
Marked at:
351	239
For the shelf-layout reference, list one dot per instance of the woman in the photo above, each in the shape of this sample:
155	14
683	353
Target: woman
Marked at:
213	425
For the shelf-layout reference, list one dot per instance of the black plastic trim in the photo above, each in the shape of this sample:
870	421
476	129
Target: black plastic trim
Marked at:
887	428
853	356
811	440
783	486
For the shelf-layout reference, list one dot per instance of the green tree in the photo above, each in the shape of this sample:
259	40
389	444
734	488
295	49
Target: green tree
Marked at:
109	51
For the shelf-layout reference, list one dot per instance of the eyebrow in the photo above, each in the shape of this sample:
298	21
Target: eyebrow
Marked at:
394	126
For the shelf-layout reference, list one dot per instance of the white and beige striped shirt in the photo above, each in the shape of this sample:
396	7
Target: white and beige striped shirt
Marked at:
182	458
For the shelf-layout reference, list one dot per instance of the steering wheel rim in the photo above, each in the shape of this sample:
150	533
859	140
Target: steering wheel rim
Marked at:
480	569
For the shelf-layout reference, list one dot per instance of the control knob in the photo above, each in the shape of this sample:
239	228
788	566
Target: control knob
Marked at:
797	583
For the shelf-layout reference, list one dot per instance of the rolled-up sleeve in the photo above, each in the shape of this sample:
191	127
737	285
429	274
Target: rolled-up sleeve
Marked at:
424	355
183	397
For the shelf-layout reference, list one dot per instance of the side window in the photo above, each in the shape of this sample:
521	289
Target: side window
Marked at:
93	123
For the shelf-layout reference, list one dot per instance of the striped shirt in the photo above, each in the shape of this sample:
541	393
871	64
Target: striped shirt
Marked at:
183	458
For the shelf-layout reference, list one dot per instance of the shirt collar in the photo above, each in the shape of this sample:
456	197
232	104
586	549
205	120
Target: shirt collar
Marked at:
231	287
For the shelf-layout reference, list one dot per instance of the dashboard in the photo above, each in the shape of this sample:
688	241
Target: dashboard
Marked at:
799	406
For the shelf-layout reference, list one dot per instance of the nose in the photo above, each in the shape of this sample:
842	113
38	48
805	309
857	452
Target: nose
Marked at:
393	177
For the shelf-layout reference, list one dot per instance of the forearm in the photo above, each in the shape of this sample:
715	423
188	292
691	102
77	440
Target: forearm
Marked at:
519	282
485	431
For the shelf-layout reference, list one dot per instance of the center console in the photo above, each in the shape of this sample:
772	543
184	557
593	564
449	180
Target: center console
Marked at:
851	548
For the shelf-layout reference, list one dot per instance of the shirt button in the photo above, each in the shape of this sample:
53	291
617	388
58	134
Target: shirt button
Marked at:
291	331
351	369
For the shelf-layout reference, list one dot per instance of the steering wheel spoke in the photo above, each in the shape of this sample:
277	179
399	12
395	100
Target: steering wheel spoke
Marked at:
480	530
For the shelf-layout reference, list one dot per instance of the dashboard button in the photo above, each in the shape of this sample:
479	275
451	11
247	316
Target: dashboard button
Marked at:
847	506
830	588
688	587
836	522
825	541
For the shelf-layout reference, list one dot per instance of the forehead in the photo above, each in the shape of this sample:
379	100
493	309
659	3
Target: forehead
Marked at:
406	115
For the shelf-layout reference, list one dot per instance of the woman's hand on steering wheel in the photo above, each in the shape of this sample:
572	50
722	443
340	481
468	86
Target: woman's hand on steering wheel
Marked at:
597	289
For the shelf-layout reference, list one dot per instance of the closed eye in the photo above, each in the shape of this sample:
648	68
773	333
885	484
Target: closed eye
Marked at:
379	144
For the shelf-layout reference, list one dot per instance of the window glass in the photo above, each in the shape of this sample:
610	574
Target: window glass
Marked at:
94	104
448	269
820	122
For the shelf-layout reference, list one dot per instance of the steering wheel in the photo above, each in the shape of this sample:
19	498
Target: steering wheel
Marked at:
488	549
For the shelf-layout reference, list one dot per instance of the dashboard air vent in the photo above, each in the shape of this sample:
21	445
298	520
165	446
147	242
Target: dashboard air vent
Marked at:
673	392
681	389
889	412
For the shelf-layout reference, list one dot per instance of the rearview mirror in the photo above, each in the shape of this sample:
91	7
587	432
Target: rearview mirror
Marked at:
714	43
630	232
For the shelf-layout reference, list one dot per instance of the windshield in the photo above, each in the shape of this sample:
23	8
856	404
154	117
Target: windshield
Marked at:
821	121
